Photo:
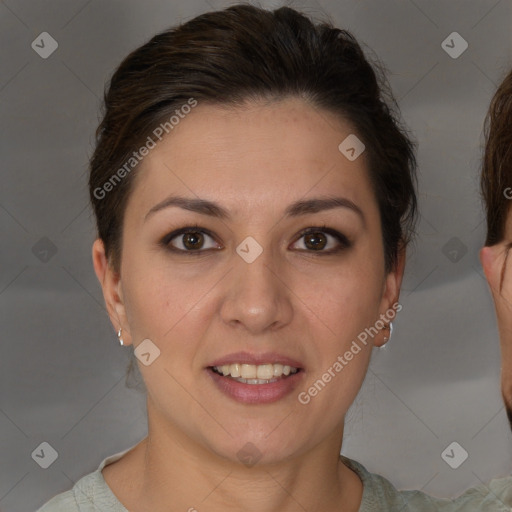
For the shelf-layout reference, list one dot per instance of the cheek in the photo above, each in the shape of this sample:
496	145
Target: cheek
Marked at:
160	306
346	299
342	309
169	311
157	292
174	308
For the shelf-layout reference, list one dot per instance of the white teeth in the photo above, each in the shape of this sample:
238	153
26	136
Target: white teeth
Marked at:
265	371
234	370
254	381
254	373
248	371
278	370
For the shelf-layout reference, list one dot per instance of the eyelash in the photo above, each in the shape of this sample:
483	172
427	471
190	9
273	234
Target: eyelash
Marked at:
341	238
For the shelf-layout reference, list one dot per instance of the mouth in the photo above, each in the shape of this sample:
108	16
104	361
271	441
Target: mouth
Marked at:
255	374
256	382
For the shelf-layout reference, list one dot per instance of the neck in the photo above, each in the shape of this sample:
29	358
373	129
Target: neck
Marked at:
178	470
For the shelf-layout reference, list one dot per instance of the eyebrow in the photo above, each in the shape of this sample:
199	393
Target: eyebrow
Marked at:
301	207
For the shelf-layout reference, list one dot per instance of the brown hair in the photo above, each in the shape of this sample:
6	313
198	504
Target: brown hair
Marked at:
496	177
243	53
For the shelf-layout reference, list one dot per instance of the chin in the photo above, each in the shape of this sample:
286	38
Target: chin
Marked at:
253	449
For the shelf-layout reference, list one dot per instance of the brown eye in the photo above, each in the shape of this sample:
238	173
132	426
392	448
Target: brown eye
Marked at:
315	241
189	240
323	240
193	240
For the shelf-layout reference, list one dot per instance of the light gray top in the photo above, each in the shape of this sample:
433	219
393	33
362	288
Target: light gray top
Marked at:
92	494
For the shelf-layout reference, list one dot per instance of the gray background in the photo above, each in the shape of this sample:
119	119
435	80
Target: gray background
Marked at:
62	374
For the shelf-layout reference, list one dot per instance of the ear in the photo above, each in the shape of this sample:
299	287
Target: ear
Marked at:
492	261
112	290
496	263
391	293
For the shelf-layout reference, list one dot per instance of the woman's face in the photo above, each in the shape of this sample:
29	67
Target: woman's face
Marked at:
245	286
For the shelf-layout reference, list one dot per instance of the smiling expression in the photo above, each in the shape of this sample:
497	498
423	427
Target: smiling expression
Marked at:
252	257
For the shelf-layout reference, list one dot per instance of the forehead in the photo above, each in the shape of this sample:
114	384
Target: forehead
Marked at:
286	149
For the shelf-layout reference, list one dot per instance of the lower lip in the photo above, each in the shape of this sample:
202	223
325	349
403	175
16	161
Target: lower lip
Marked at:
256	393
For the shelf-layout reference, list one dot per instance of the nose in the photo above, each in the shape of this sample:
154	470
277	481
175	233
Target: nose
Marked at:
258	298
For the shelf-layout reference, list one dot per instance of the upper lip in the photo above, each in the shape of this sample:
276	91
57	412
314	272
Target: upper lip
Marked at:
260	358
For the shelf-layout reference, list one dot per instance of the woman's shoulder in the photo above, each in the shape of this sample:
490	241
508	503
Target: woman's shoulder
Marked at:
380	495
496	495
63	502
86	495
89	494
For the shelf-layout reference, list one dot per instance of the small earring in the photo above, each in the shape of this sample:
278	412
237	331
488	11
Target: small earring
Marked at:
119	336
386	338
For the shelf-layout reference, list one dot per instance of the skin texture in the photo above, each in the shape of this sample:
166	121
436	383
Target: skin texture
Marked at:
497	265
253	161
